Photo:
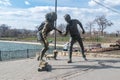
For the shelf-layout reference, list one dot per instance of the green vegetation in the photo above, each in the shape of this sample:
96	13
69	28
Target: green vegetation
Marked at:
33	38
8	38
6	33
60	39
101	39
64	39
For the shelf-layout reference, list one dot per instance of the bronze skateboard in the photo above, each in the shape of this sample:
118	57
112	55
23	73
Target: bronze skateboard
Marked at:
44	66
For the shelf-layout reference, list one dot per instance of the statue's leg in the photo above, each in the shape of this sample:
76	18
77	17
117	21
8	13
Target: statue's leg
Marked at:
82	47
70	51
45	42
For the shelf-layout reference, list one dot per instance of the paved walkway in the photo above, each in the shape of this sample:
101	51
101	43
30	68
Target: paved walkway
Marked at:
93	69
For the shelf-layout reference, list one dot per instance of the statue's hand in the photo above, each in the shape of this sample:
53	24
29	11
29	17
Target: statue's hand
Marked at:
83	32
60	32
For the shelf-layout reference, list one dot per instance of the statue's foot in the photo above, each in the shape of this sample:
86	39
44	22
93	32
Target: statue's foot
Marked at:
85	59
70	61
38	58
42	60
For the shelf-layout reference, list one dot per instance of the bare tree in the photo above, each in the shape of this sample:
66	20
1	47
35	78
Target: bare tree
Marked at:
4	30
61	27
117	33
90	25
103	23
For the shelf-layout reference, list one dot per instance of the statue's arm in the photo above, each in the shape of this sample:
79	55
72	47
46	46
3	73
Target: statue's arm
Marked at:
66	32
78	22
58	30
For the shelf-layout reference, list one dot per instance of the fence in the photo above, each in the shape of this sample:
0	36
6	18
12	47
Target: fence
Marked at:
18	54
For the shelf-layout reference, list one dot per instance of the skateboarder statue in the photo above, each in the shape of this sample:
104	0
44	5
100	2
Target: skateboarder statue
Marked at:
44	29
74	35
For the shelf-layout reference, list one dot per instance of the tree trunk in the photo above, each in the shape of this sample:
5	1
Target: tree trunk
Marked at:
102	34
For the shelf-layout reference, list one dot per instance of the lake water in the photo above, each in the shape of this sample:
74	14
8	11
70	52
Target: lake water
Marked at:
10	50
9	46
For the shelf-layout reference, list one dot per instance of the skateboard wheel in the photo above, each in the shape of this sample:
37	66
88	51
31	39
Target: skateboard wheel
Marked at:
48	68
39	69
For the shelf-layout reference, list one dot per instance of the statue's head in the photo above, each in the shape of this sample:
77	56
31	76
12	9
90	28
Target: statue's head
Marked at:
52	16
67	17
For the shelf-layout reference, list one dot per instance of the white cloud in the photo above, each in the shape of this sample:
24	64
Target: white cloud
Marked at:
5	3
112	3
93	3
109	3
27	3
30	17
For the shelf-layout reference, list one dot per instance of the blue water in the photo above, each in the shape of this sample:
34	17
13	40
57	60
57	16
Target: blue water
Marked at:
9	46
10	50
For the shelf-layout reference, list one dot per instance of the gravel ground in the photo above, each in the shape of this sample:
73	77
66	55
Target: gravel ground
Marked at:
93	69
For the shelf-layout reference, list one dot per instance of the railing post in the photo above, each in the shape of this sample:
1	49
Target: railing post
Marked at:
27	53
0	56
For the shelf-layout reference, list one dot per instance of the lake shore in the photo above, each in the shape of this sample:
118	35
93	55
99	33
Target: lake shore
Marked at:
24	42
100	54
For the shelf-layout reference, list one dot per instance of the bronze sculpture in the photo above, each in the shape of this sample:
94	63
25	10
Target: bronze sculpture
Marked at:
74	35
44	29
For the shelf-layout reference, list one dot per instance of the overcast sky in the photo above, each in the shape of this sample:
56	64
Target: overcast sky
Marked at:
29	13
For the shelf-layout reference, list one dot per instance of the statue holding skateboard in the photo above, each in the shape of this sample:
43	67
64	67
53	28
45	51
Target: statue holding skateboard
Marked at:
44	29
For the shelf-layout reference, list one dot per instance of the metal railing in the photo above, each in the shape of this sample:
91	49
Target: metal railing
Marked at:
18	54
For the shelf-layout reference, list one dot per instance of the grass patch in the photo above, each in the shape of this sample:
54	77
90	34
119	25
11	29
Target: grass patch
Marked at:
64	39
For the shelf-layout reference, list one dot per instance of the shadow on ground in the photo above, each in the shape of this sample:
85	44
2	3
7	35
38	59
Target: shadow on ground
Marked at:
100	64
